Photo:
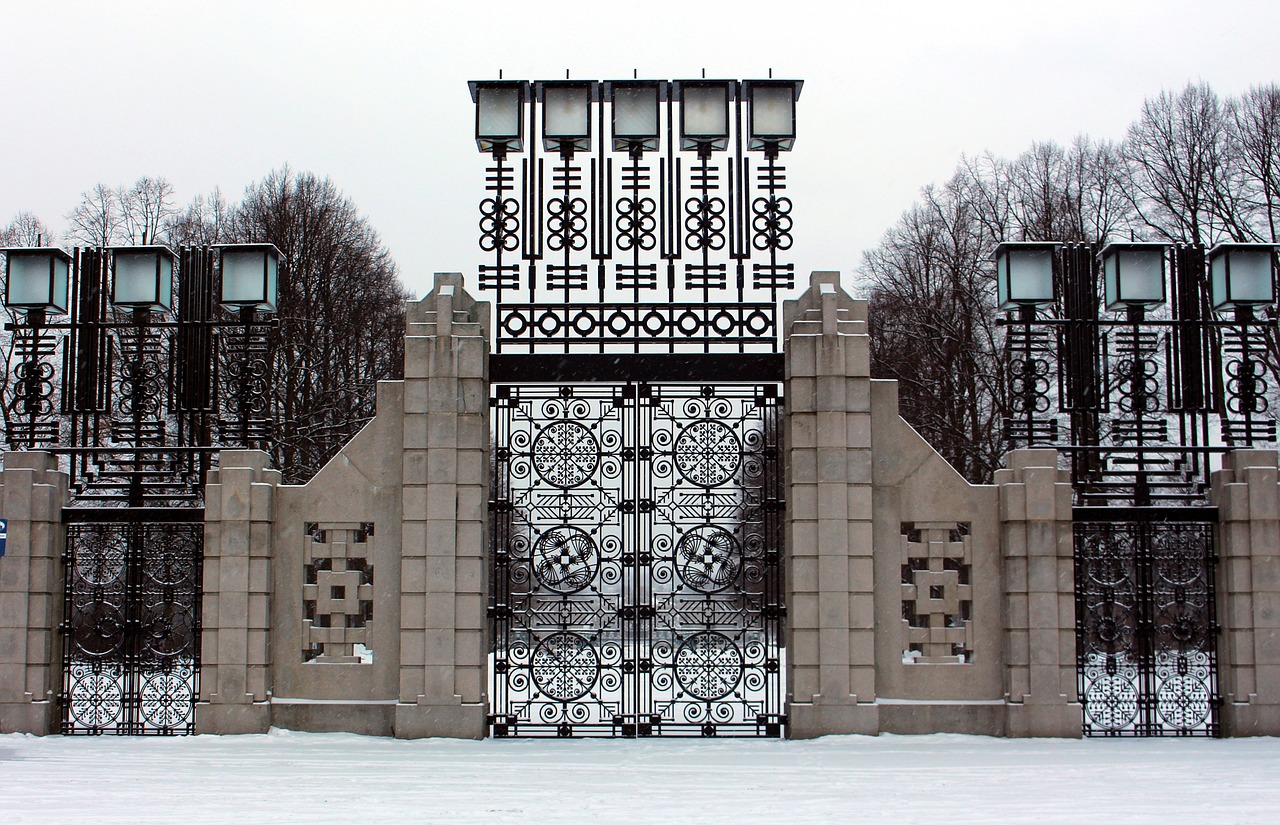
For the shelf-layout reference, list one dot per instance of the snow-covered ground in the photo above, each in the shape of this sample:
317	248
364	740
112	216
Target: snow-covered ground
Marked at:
340	778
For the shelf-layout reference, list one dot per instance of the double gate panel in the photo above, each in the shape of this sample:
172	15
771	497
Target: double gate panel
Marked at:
1146	628
131	632
637	577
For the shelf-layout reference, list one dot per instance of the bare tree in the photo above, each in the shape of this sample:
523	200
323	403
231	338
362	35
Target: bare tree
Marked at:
146	207
204	221
341	311
1253	123
96	220
27	230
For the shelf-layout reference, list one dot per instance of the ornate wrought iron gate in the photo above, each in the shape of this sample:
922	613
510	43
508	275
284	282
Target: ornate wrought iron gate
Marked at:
1147	647
131	640
637	578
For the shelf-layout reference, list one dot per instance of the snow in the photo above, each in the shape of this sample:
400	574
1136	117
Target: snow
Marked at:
343	778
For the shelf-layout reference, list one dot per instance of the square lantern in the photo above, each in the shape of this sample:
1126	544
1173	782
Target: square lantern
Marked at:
142	277
1024	273
771	113
635	106
566	115
1242	274
250	276
499	115
704	113
37	278
1133	274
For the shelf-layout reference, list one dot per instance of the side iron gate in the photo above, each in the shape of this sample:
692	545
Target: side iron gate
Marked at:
131	638
637	579
1146	629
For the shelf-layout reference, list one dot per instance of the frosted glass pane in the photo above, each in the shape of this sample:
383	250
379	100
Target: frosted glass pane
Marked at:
1142	276
705	111
28	280
772	109
242	278
135	280
1031	275
499	112
1251	275
635	112
567	112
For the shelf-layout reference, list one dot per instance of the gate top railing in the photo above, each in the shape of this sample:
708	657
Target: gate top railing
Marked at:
664	235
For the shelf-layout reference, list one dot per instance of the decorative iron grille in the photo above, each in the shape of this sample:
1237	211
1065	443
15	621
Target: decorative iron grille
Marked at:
637	544
1146	628
131	637
638	246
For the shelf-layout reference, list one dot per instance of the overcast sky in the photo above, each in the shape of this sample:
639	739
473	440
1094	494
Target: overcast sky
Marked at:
373	94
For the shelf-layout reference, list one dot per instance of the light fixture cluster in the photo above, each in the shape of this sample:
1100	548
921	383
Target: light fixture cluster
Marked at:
1241	275
634	111
38	278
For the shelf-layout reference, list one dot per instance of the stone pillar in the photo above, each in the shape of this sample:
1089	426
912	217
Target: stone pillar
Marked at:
32	494
444	637
235	665
831	685
1039	595
1248	584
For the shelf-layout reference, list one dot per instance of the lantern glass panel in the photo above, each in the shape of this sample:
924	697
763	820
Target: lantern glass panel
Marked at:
499	113
1133	277
1247	276
567	110
704	111
635	112
142	280
772	112
249	278
1024	277
37	281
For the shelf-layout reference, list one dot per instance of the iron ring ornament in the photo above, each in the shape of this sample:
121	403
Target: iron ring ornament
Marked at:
772	223
565	666
636	224
565	559
707	453
708	558
709	666
704	220
499	224
565	454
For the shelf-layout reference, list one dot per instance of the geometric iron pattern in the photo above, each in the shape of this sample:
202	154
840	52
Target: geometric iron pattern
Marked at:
1146	630
637	577
131	636
937	600
609	250
337	593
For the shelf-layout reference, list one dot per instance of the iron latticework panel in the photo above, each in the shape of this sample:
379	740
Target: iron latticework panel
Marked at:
131	637
637	560
1146	629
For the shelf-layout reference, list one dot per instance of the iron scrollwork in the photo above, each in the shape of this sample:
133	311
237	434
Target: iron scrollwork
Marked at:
637	580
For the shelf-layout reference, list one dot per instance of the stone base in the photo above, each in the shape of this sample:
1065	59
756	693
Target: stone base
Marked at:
1250	719
229	718
807	721
449	721
367	718
1062	721
40	718
986	719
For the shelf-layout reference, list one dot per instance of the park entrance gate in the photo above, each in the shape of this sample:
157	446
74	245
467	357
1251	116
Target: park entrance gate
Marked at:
637	413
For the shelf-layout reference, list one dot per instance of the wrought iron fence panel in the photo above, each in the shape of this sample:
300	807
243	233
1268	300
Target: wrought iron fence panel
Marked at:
637	560
131	634
1146	628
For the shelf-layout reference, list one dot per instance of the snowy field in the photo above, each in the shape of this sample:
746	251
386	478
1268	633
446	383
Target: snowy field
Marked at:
341	778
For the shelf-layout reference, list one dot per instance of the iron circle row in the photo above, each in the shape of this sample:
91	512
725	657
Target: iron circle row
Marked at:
689	323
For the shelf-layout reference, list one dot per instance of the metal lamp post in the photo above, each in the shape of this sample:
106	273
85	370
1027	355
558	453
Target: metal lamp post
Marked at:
142	278
635	114
36	281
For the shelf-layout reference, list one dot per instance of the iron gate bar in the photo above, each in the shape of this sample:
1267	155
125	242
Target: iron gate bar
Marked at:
85	515
633	367
1145	514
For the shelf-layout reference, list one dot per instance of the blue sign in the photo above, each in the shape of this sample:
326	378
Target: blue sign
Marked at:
4	534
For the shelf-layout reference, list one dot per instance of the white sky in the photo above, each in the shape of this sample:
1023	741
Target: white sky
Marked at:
374	94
